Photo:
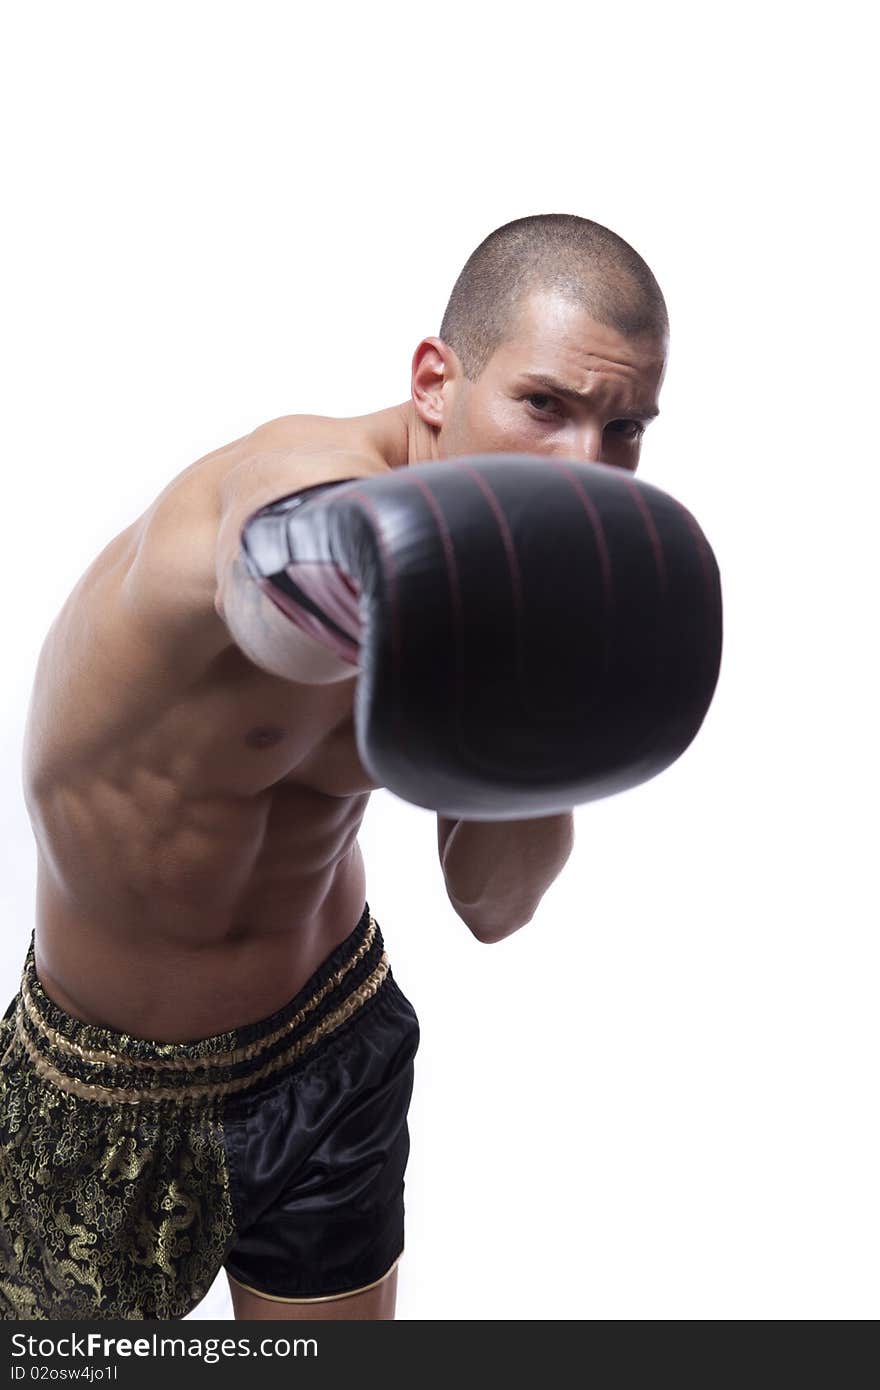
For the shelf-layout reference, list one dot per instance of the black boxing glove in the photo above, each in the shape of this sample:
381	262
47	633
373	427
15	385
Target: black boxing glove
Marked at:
531	634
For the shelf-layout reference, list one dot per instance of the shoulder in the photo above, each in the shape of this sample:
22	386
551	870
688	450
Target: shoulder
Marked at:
316	436
183	540
285	456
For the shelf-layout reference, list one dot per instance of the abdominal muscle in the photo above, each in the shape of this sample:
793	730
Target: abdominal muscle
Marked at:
195	820
176	988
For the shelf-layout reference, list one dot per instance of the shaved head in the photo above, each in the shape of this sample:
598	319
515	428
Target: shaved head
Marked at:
556	253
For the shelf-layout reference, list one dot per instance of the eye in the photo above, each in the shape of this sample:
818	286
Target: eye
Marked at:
627	429
543	404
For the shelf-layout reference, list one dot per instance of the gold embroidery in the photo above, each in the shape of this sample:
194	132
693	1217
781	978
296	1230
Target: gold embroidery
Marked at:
124	1209
114	1095
229	1058
107	1211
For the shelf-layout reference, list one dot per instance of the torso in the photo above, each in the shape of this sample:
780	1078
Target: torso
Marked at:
196	821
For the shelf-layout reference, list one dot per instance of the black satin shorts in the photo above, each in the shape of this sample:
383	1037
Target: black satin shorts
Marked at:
132	1171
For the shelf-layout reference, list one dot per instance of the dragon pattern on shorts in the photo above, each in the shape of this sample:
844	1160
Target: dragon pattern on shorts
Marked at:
113	1207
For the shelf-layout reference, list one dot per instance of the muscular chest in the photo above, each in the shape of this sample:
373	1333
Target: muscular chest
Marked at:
334	767
262	731
123	718
271	733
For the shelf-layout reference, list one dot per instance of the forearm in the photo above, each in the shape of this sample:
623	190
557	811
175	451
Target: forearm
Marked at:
496	872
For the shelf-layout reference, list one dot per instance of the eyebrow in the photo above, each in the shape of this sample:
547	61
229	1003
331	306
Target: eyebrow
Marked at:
537	379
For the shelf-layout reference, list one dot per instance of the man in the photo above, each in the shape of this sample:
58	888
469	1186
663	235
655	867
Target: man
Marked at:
195	790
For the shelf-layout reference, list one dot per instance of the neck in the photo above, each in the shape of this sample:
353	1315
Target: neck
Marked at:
402	437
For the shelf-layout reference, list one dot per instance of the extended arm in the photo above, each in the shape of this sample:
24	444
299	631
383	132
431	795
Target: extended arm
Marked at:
515	655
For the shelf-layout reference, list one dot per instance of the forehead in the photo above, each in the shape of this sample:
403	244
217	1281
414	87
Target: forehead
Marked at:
553	334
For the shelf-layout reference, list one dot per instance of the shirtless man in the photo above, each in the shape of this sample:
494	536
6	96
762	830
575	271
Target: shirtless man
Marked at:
194	786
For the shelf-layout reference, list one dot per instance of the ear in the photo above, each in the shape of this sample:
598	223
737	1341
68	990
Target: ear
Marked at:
434	367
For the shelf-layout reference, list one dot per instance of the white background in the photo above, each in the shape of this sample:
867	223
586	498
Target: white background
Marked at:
659	1099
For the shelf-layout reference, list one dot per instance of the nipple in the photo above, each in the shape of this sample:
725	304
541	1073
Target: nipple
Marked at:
264	736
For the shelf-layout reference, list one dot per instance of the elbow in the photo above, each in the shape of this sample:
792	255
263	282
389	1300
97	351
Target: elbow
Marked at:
489	938
488	931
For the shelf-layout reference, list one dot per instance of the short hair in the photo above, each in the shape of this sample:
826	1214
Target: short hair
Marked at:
556	252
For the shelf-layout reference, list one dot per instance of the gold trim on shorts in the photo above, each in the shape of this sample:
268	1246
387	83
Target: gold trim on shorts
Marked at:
216	1059
320	1298
205	1090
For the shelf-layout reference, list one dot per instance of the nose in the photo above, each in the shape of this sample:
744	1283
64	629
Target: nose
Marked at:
589	446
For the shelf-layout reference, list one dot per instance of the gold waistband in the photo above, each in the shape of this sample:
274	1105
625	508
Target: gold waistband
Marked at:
214	1059
29	1020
